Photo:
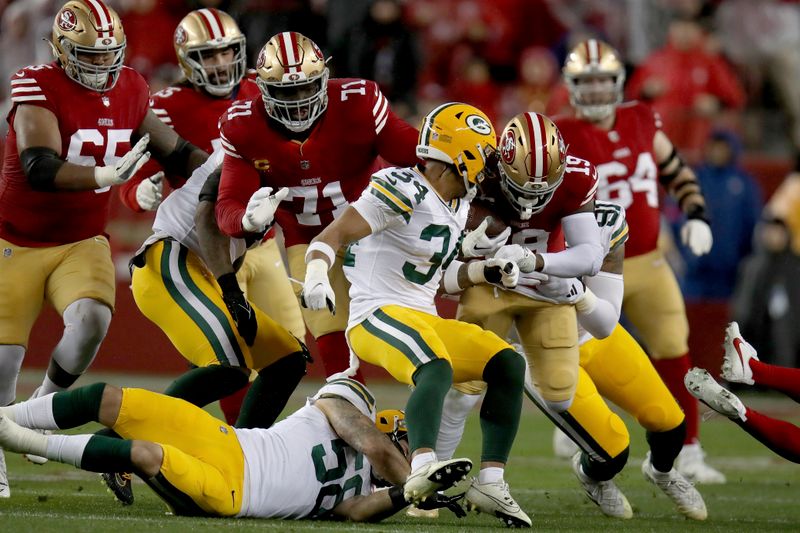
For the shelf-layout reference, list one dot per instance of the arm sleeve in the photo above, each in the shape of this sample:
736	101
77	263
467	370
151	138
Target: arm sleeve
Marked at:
238	182
602	320
584	257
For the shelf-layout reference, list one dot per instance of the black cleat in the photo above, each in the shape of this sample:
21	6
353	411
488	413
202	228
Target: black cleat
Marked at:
120	485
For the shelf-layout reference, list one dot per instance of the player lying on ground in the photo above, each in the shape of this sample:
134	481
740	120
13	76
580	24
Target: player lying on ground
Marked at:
320	462
741	365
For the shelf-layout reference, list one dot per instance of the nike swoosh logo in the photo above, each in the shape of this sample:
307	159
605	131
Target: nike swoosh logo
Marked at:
737	343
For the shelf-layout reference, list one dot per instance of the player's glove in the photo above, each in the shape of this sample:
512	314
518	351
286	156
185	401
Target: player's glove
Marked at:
501	272
522	256
149	192
317	291
243	315
477	244
561	290
127	166
696	235
261	209
438	501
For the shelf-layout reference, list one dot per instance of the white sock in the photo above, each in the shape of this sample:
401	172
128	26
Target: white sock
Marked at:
455	410
422	459
36	413
67	448
18	439
490	474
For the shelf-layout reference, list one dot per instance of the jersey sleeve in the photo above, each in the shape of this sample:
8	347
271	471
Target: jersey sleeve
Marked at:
237	184
29	87
396	139
383	204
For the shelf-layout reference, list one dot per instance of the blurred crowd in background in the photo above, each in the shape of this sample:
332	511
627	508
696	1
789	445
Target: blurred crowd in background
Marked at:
723	74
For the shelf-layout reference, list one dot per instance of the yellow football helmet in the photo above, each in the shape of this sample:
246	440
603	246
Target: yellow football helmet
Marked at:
460	135
293	79
392	422
532	161
200	32
594	74
85	27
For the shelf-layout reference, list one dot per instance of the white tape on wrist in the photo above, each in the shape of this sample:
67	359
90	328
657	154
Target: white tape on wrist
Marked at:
475	272
323	248
316	270
105	176
450	278
586	303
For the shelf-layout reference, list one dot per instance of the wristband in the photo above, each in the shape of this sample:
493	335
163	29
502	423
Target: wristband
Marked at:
323	248
586	303
450	278
475	272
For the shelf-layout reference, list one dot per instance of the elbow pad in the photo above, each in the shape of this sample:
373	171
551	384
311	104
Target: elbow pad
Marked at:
41	165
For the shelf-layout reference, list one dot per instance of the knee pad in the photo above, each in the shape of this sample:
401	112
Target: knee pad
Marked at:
558	407
88	319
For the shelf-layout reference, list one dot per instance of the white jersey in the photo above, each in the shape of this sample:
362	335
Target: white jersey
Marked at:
415	235
175	216
613	233
300	467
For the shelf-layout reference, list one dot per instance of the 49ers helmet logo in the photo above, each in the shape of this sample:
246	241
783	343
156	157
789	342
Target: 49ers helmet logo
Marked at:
180	36
508	148
262	58
67	20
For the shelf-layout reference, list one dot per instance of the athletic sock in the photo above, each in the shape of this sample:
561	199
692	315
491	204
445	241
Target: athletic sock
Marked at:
106	454
672	372
665	446
424	407
779	436
502	406
457	406
206	384
780	378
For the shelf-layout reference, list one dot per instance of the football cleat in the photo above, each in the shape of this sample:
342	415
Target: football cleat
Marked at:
682	493
611	501
5	489
691	462
706	389
494	498
738	353
563	446
415	512
435	476
36	459
120	485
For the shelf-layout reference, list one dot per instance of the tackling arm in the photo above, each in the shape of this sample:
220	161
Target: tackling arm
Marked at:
601	318
584	257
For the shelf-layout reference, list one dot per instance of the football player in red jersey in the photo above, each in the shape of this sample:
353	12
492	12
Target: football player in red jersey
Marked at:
632	156
321	140
72	129
210	49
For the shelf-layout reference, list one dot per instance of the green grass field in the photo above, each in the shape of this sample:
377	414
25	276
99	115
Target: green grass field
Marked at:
761	494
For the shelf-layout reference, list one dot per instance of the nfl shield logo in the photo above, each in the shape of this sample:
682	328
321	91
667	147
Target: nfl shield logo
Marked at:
6	252
305	164
106	101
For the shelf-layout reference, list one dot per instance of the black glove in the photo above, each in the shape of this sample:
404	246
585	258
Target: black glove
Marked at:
243	315
438	500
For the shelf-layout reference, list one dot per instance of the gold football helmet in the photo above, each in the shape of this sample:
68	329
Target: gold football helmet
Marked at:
392	422
594	74
88	28
460	135
532	162
205	31
293	79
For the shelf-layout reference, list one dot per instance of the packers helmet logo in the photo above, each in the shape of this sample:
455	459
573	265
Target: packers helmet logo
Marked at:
67	20
181	36
508	147
479	124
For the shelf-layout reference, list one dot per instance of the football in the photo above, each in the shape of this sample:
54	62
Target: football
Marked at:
477	212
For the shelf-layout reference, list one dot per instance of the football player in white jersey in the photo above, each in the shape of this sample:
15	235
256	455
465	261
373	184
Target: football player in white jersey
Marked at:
317	463
404	234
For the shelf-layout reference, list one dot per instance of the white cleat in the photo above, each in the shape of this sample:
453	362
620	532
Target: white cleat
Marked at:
36	459
738	353
495	499
706	389
682	493
605	494
691	462
5	489
433	477
415	512
563	446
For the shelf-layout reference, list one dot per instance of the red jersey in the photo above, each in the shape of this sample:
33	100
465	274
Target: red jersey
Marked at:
95	131
324	173
626	167
194	115
542	232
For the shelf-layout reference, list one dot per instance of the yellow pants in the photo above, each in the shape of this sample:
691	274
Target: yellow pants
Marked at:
400	340
176	291
56	274
203	460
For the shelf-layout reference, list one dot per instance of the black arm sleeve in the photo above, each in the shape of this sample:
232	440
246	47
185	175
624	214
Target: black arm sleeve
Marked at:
177	161
41	166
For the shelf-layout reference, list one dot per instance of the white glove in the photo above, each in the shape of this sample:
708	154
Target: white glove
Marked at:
477	244
261	209
531	279
522	256
561	290
501	272
696	235
317	292
127	166
148	192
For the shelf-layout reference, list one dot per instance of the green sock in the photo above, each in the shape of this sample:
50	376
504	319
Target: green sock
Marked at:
205	384
502	406
77	407
424	408
271	390
107	454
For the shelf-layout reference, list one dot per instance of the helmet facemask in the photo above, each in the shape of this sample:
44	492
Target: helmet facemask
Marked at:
529	199
218	79
95	77
299	114
596	96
